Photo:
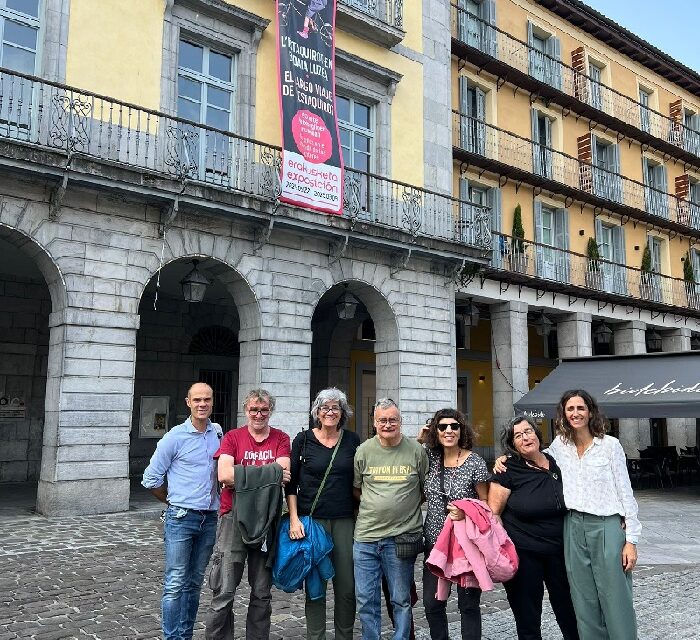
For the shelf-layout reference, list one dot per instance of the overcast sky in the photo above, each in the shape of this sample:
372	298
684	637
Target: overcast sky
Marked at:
671	26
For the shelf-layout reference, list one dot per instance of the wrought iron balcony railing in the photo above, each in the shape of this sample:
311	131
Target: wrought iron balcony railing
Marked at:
387	11
584	181
602	278
79	123
488	39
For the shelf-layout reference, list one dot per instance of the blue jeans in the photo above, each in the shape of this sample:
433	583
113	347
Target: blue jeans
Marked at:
189	540
372	559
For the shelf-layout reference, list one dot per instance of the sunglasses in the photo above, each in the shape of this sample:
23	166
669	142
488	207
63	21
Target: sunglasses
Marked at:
454	426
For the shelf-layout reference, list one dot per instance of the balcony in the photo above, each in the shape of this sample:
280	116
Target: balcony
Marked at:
506	154
59	133
554	269
380	21
510	59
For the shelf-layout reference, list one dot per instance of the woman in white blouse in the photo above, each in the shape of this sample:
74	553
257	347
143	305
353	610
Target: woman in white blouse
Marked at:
601	529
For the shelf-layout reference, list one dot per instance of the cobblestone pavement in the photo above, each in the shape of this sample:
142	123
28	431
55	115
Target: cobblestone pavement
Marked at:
100	577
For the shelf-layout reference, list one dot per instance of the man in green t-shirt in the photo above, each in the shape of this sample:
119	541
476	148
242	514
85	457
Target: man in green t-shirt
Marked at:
389	476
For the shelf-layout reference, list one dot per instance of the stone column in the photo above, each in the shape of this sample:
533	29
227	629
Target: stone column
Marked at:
574	335
437	109
280	362
509	361
681	431
630	339
89	400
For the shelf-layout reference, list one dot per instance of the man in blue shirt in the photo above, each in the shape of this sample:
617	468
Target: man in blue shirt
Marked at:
182	473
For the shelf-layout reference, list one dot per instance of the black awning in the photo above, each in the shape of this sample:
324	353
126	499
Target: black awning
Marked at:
656	385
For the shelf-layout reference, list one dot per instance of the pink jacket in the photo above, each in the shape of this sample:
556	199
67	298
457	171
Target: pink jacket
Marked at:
474	552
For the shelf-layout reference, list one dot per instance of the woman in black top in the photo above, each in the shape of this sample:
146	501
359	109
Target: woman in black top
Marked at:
530	499
311	453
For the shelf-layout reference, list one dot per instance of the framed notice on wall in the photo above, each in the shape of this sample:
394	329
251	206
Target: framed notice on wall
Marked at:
154	416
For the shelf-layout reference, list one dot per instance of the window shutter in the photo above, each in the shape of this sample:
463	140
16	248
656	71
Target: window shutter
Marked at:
489	11
480	129
554	50
619	273
663	187
538	236
598	231
695	261
499	243
465	226
490	35
536	158
532	55
463	110
562	241
614	151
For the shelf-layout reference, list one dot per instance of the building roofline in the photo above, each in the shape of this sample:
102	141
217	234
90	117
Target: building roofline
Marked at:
631	45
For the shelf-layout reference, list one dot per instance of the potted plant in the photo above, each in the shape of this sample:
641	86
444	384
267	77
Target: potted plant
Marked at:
690	285
646	277
518	255
594	274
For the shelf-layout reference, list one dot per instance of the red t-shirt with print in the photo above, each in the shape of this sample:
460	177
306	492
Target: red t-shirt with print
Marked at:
239	444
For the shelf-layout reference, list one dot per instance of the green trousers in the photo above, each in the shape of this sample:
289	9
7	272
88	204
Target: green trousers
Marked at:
341	530
600	590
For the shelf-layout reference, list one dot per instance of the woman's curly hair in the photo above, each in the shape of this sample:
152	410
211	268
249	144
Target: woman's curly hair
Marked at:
466	433
597	424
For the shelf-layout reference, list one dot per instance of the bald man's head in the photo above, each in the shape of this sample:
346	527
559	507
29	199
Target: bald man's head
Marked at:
200	400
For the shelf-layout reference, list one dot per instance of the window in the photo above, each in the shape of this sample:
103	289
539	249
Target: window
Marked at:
476	21
544	55
644	102
693	288
611	245
650	282
693	218
607	182
691	133
596	92
541	144
205	93
552	238
474	197
19	24
472	117
655	188
356	133
357	141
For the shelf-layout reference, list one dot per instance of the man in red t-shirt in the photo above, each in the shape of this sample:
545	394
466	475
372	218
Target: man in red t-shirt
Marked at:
255	443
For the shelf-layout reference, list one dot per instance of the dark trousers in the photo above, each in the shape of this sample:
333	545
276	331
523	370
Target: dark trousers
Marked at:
526	590
225	576
436	610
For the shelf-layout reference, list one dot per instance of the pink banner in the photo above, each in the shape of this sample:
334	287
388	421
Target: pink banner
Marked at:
312	159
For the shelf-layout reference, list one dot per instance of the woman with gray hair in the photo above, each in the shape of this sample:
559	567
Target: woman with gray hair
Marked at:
530	498
312	454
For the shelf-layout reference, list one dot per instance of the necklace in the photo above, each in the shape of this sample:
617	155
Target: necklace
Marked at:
456	464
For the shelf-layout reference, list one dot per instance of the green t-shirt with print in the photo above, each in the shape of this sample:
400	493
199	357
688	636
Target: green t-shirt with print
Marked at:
391	479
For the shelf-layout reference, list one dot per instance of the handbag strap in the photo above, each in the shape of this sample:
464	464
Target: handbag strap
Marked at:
325	476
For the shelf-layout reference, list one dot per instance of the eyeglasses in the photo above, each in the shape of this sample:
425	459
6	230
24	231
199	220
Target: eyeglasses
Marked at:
384	421
454	426
333	409
525	432
262	412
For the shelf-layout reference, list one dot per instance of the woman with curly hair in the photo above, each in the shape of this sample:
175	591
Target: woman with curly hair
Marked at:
601	528
455	472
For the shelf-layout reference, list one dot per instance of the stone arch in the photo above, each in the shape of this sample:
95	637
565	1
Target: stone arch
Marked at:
33	290
41	256
168	326
334	339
